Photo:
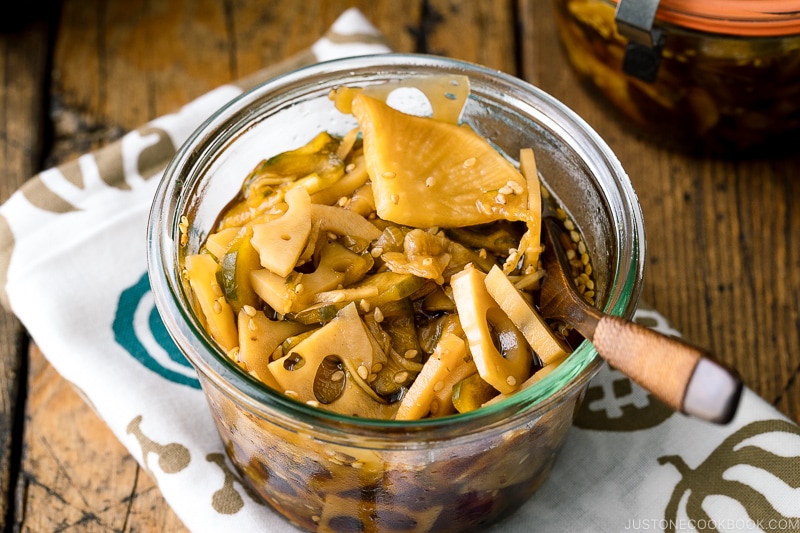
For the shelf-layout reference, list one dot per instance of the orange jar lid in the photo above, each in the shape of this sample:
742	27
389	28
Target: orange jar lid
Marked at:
734	17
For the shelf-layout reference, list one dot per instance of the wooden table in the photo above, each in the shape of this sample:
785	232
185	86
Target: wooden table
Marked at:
722	263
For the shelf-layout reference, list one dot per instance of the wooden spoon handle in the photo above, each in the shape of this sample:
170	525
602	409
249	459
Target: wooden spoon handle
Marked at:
680	375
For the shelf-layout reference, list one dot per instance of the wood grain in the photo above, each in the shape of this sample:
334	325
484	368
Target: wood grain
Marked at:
77	476
23	69
720	265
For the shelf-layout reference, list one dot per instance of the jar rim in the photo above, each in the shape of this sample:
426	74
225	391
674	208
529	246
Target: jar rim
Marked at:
744	18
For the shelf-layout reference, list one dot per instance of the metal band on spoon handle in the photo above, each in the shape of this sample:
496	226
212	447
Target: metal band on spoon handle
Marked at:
680	375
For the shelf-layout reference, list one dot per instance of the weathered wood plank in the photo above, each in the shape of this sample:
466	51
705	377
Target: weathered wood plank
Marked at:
480	32
124	63
76	474
23	71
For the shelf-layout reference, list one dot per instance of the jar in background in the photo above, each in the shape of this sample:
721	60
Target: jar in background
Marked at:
725	78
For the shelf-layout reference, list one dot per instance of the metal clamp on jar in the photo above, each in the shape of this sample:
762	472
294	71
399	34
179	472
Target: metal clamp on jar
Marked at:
635	20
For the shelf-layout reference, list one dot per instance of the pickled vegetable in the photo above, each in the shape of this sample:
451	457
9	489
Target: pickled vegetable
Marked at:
201	271
450	352
281	241
504	367
430	173
471	393
389	273
541	338
345	339
239	260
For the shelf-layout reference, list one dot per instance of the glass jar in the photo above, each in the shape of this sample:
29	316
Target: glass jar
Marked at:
323	471
726	77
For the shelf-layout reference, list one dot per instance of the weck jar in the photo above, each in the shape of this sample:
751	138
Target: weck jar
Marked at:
719	77
329	472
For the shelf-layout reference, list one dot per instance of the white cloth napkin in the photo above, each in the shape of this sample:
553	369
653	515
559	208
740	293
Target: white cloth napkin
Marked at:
74	264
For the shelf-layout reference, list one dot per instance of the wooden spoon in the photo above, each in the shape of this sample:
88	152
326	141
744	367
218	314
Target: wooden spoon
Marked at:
682	376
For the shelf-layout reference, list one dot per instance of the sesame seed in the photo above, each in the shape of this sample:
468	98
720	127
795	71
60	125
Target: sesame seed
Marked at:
585	259
410	354
376	252
378	315
500	199
234	354
482	253
338	297
514	186
511	380
506	190
395	199
337	376
251	325
184	239
581	247
430	181
434	407
332	236
470	162
363	373
388	175
357	464
350	167
298	289
216	289
313	403
401	376
291	394
249	310
575	236
217	307
364	305
428	261
439	385
569	225
377	367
